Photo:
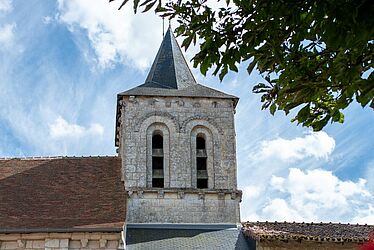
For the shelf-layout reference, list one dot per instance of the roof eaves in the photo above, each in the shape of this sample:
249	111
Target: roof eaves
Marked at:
259	231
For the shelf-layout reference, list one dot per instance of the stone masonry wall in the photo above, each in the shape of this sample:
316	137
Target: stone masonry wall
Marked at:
61	241
183	207
180	117
179	121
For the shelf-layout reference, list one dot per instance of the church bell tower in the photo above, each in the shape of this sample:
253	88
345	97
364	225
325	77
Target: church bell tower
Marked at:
176	139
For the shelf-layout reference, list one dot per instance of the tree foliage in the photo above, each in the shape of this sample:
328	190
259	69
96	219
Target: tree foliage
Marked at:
315	56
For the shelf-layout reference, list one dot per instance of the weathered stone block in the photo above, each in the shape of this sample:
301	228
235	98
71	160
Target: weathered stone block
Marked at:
38	244
9	245
64	243
74	244
52	243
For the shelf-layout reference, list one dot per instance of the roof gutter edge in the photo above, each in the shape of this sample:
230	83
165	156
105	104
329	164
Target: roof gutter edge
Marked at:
193	226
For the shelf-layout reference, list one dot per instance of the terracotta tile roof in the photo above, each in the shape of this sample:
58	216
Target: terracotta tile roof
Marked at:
65	193
331	232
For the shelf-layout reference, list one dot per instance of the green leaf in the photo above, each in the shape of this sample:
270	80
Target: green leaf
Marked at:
136	3
187	42
317	53
122	4
273	108
303	114
149	6
251	66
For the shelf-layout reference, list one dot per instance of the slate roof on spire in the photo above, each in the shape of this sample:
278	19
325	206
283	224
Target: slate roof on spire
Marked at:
171	76
169	69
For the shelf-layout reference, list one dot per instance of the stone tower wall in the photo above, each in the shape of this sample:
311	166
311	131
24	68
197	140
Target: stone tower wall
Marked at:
179	119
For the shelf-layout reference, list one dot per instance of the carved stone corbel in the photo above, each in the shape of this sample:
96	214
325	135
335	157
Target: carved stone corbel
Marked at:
84	242
103	243
140	194
201	196
181	195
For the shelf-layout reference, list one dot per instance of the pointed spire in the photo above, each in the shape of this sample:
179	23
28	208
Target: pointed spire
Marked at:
170	69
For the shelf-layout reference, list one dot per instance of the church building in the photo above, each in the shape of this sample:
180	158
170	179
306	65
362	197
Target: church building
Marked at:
176	139
173	184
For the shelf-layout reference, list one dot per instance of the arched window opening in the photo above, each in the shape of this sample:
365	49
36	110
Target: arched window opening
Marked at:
157	161
157	141
200	142
201	162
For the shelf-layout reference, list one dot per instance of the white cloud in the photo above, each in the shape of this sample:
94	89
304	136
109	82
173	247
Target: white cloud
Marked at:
314	144
6	6
318	195
7	35
62	129
251	192
116	36
279	210
365	216
277	183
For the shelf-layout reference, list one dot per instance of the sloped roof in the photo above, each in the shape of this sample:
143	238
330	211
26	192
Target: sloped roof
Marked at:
61	194
185	239
332	232
196	90
169	69
171	76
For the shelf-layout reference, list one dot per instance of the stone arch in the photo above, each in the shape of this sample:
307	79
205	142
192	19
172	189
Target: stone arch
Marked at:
163	130
169	125
205	121
156	116
210	155
195	121
191	127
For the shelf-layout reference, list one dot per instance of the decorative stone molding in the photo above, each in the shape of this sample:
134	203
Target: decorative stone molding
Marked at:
221	196
142	119
21	243
132	99
140	194
103	243
181	195
233	196
160	194
84	242
61	241
168	104
130	194
210	121
201	196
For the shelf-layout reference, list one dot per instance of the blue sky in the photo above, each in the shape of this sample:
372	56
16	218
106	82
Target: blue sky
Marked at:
63	62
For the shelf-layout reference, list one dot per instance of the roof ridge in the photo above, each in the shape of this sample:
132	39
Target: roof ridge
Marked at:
305	223
55	157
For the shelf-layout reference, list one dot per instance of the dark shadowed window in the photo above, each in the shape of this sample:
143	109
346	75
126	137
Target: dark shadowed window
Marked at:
157	161
201	162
